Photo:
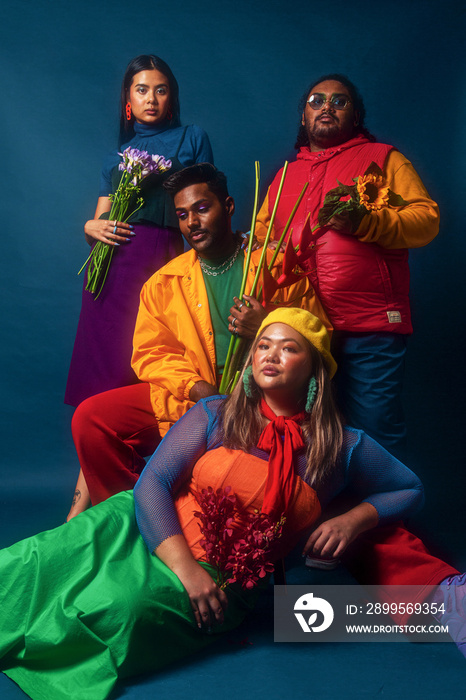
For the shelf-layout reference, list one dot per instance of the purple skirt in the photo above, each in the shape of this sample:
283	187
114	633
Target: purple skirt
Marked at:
103	347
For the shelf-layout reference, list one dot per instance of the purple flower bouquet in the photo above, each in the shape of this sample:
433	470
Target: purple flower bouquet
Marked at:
136	165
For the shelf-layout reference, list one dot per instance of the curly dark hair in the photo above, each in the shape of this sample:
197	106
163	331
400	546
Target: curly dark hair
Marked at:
197	174
358	103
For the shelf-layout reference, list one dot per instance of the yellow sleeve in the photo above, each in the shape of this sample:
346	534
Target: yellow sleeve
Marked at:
411	226
262	221
159	356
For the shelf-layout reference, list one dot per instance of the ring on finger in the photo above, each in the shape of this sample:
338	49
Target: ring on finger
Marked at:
233	323
241	305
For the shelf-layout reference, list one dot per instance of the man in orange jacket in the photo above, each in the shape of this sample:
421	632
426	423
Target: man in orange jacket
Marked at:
181	338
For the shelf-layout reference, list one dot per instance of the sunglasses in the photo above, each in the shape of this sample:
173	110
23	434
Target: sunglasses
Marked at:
317	101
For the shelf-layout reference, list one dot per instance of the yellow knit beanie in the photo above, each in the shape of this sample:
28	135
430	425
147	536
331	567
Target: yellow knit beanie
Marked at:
310	328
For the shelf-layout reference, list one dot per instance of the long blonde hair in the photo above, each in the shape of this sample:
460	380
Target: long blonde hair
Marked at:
242	421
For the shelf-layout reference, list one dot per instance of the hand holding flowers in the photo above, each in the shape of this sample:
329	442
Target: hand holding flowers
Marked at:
346	205
136	165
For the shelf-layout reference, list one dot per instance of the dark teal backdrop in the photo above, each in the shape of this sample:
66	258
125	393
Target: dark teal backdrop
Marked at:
242	67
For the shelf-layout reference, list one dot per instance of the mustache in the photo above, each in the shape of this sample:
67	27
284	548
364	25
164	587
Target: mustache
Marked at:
327	114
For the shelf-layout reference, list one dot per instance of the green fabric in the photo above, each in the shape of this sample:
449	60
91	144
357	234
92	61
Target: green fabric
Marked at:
220	292
87	603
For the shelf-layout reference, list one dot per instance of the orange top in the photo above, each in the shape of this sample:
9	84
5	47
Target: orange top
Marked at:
247	476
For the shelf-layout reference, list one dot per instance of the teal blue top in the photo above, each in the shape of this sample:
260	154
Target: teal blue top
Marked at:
183	145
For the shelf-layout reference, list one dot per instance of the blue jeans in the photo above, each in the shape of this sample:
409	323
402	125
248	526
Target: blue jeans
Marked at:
369	383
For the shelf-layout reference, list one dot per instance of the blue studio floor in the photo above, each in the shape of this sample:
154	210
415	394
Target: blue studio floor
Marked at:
247	664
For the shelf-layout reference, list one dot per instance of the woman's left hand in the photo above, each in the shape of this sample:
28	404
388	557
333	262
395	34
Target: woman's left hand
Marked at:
208	601
331	538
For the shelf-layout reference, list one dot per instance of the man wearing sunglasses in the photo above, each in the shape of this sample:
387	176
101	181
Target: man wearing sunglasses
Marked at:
360	264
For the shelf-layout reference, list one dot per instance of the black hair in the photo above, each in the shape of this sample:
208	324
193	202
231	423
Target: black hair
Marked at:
147	62
356	98
196	174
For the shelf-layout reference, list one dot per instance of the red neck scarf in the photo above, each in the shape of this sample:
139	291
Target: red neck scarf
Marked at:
281	475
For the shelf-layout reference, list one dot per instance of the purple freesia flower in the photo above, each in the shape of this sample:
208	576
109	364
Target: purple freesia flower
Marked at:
138	164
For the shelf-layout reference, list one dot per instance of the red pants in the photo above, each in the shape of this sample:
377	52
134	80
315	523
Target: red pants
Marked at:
393	556
113	432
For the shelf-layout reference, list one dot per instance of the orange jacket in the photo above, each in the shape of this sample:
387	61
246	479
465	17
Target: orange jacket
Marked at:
173	346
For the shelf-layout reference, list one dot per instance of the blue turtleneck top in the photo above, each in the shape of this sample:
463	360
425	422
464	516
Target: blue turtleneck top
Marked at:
192	147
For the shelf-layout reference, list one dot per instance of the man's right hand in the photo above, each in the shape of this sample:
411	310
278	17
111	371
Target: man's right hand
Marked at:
245	320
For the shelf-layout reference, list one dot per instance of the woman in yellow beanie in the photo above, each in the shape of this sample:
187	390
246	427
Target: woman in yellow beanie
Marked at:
94	601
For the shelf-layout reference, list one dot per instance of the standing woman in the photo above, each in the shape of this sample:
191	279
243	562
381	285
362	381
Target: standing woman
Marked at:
149	121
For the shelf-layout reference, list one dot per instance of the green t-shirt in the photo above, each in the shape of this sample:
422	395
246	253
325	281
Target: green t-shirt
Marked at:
221	288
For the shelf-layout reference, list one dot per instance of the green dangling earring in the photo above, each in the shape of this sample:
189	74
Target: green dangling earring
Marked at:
311	395
247	376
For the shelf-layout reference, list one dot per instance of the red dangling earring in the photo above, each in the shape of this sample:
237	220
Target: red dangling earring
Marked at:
169	114
128	111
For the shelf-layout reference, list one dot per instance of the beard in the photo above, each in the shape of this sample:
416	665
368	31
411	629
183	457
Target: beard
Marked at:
322	133
329	134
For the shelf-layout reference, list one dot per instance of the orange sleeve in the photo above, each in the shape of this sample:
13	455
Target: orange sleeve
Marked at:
263	220
165	341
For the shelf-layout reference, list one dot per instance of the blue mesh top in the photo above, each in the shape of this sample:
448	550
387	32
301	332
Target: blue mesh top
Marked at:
365	468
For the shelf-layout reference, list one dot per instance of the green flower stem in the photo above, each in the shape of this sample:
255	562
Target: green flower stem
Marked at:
240	345
237	345
234	345
288	224
269	232
101	254
86	261
285	231
107	267
115	199
253	226
141	202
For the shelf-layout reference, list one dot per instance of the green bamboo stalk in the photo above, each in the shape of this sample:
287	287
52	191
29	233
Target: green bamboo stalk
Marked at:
285	231
269	231
288	224
235	348
234	340
253	227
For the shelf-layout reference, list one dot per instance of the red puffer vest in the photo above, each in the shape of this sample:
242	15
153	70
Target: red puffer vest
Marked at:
364	287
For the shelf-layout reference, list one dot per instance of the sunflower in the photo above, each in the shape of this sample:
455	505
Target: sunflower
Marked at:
373	192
